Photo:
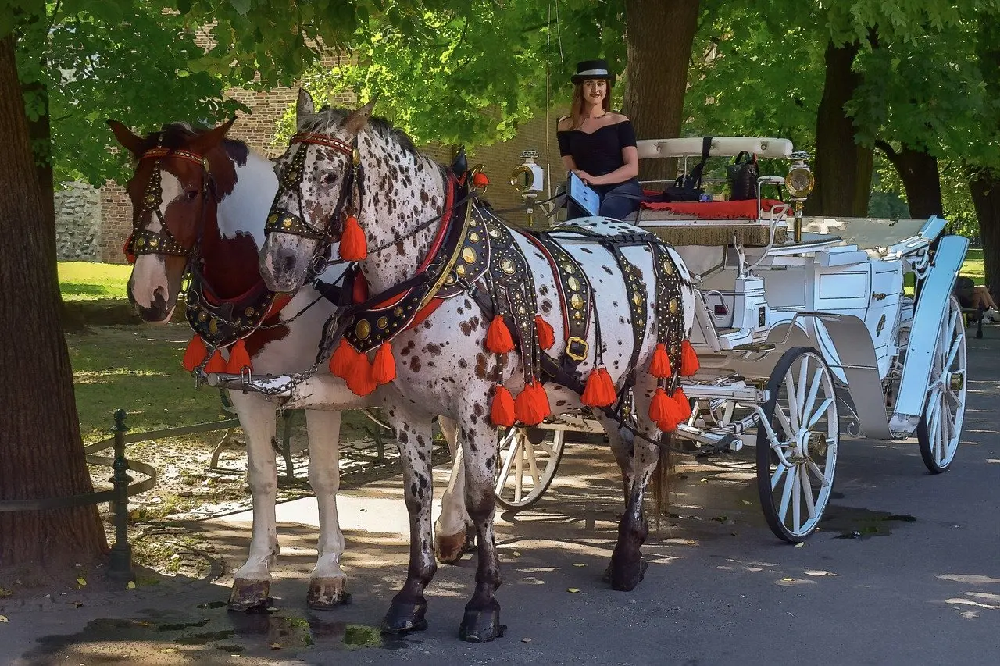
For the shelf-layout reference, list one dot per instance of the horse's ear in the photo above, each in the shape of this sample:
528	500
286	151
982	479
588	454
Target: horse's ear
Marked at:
132	142
356	121
212	138
304	105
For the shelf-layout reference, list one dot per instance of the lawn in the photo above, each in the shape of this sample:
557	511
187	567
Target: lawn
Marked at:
973	266
89	281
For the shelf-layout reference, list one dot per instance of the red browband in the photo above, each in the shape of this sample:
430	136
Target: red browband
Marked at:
160	151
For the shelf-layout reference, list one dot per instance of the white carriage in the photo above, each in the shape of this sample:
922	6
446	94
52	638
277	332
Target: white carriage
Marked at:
804	330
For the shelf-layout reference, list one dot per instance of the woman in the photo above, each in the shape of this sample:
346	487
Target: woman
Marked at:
598	144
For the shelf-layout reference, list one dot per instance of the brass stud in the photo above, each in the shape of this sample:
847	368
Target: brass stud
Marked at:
568	267
213	326
153	242
576	301
673	306
202	316
474	237
398	311
573	283
362	329
469	255
383	322
249	312
507	266
460	270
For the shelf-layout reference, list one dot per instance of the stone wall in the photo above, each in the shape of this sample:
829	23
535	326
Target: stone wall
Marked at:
78	223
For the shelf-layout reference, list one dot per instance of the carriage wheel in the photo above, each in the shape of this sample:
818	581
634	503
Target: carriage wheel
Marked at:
940	425
528	461
797	442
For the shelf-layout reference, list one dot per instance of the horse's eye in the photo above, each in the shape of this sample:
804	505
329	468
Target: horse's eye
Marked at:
191	195
330	179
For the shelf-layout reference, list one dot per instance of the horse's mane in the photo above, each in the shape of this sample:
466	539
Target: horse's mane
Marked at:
328	116
176	135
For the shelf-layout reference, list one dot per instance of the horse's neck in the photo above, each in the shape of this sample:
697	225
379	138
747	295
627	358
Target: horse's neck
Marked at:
402	192
233	239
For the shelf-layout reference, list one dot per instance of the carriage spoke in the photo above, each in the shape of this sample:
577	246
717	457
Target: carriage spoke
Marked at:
819	412
529	448
786	495
813	390
779	412
814	468
793	405
807	492
780	469
796	499
800	391
508	460
519	468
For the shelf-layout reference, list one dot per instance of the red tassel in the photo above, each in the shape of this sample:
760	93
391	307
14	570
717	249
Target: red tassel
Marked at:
238	358
546	336
689	360
660	365
353	246
532	405
359	288
498	338
195	353
360	377
342	359
665	411
384	366
600	390
683	403
502	410
216	364
128	255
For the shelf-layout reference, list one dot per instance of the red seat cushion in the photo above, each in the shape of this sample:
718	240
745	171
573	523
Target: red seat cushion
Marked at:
714	210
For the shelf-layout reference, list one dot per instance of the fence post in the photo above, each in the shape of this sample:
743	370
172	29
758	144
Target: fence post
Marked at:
120	564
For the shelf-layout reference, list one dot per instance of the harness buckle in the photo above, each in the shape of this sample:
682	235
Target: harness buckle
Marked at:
576	348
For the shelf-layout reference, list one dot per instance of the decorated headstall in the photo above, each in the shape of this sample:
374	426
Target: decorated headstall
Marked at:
146	241
280	220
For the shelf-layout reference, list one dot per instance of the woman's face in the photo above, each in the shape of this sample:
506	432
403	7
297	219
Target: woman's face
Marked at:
594	91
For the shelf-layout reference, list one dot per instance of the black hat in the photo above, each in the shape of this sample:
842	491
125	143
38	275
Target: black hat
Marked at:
592	69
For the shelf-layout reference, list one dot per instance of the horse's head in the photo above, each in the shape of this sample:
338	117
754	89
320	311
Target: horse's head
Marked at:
319	185
173	199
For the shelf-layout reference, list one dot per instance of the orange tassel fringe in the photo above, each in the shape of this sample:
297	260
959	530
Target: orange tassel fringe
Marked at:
195	353
683	403
238	358
342	359
502	410
353	246
689	360
498	339
664	411
216	363
600	390
546	336
660	365
361	378
532	405
384	366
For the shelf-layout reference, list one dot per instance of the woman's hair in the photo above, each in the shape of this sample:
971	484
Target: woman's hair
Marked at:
576	107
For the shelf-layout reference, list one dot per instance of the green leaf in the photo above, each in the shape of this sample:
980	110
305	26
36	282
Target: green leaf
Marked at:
242	7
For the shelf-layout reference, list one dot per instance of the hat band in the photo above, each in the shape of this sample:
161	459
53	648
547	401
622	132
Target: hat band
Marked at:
593	72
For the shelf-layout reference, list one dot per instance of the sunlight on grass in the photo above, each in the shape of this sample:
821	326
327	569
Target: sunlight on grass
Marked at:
88	281
973	266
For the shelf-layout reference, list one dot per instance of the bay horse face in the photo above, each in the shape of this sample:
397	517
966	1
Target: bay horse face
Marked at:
319	184
172	200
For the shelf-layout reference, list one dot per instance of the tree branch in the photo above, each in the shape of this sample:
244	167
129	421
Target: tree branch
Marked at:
889	151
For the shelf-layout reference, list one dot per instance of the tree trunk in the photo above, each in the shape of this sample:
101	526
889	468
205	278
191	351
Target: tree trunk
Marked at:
985	189
918	170
41	454
658	39
843	168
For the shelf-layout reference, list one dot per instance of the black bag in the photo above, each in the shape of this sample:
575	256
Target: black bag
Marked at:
689	188
742	175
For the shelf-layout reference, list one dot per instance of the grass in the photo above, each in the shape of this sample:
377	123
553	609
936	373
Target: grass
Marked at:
973	266
89	281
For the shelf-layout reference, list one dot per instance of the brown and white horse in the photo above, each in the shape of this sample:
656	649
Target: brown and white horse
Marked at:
199	203
346	175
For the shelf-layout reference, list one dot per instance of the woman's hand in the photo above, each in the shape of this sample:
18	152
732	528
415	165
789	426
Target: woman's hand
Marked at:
586	177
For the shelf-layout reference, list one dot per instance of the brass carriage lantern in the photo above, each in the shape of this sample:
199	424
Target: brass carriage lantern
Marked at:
528	180
799	182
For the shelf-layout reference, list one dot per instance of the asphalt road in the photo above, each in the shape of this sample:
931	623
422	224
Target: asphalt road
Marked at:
921	585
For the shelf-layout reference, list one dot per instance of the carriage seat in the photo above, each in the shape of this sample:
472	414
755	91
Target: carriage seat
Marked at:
714	222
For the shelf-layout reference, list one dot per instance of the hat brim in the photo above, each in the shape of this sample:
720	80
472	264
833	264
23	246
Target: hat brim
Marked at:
577	78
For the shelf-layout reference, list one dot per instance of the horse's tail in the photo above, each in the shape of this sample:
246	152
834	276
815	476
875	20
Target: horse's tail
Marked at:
661	479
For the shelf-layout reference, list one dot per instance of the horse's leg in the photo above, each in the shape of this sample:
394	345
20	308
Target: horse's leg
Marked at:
478	439
622	450
328	582
627	565
252	581
413	433
450	529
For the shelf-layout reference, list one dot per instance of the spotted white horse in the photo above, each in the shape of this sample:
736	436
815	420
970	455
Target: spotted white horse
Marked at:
198	197
427	253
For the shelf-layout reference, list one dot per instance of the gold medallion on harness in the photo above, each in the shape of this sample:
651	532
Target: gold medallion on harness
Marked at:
568	267
153	242
637	299
573	283
460	269
673	306
468	255
474	237
507	266
398	311
576	301
668	267
202	316
362	329
249	312
382	322
213	326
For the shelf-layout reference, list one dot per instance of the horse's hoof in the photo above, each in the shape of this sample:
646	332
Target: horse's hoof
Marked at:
449	549
327	593
250	595
402	618
625	576
482	625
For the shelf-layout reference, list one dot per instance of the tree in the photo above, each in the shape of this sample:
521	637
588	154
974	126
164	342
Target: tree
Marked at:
984	170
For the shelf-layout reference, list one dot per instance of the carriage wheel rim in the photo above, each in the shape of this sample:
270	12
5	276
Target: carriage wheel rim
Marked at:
520	461
945	411
806	426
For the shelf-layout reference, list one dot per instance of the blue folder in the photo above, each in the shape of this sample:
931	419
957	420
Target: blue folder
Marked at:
584	196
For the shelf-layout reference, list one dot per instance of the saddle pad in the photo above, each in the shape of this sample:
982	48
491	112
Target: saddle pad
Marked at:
714	210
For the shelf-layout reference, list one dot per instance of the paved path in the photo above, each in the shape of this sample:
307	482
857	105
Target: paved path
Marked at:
720	588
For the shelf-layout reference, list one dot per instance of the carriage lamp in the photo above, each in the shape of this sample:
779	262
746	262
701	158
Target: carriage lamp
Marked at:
799	182
528	180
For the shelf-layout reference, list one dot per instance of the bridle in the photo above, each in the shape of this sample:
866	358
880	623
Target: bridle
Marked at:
145	241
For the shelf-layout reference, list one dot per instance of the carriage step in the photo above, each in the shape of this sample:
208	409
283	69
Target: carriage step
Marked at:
708	442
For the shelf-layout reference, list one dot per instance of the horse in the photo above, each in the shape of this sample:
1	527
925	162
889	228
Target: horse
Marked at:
199	202
598	314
